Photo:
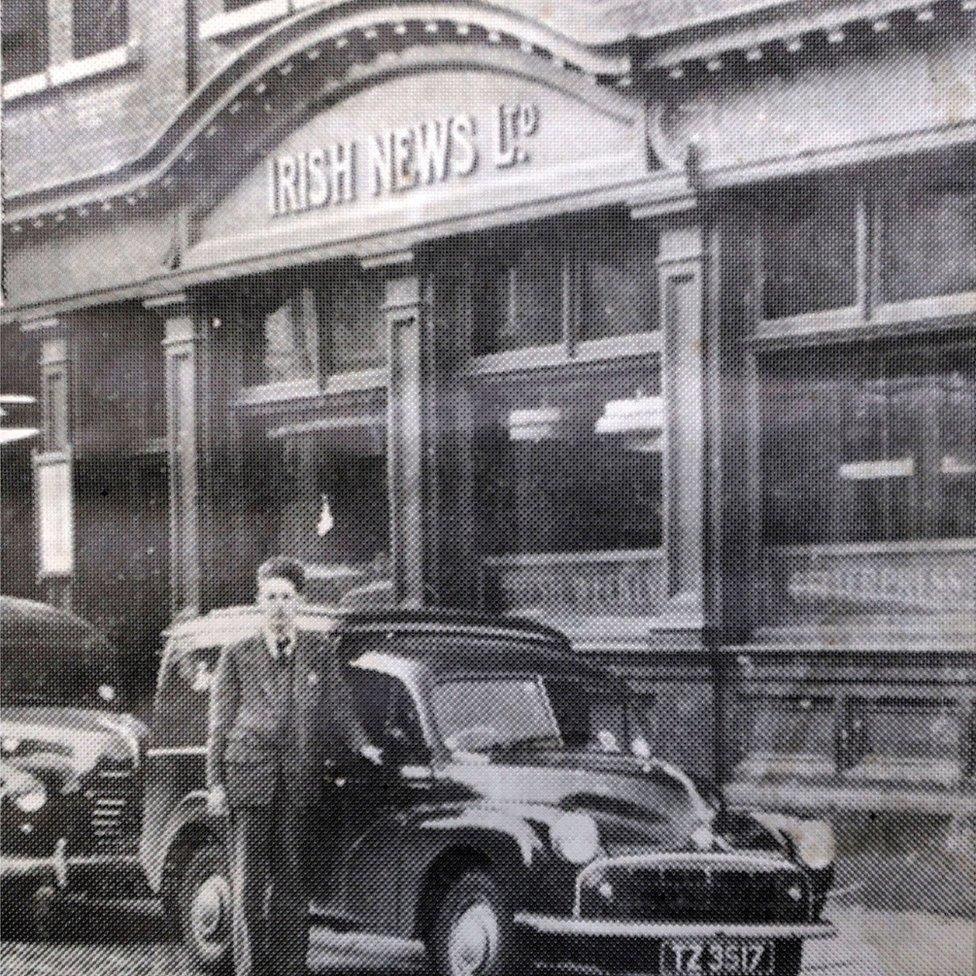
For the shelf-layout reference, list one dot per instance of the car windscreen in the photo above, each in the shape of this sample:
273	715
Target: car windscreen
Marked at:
485	713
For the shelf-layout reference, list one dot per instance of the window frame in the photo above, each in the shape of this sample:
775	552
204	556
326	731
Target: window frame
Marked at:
570	347
872	308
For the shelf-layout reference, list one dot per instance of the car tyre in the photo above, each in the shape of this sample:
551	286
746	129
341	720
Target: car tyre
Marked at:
472	932
203	908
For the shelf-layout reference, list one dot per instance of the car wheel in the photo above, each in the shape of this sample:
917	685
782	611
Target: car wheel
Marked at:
472	932
203	908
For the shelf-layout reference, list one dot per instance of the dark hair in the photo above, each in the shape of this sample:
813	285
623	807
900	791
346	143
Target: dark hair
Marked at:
283	567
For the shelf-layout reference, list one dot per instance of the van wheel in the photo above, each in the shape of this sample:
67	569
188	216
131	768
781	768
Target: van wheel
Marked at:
472	932
203	908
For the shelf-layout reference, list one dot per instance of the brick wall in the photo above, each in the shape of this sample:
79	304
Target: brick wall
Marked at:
97	122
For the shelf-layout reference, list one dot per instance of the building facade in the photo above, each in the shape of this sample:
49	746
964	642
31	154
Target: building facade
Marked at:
656	321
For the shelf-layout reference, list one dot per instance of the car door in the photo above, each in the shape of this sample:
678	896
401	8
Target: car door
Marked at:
363	809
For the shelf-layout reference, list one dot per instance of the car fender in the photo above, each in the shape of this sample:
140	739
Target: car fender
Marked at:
476	835
189	814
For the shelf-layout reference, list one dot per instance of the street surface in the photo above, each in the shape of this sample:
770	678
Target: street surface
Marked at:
131	940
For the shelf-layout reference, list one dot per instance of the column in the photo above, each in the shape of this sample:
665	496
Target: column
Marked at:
680	270
406	312
53	464
182	349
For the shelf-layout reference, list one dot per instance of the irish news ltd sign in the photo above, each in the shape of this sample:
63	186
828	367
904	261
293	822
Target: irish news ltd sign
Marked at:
401	159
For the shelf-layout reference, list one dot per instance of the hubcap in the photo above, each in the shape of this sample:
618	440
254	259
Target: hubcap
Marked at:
473	944
210	909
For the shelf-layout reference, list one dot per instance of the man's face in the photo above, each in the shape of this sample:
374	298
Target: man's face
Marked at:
279	602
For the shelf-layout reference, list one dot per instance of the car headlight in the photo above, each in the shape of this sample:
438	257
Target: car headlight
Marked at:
815	843
32	799
575	837
813	840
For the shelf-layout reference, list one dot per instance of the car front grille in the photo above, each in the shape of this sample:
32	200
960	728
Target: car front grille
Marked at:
713	888
110	794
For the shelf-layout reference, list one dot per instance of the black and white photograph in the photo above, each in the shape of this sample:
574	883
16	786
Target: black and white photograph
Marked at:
488	488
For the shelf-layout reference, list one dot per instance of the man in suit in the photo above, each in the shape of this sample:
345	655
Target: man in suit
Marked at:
279	708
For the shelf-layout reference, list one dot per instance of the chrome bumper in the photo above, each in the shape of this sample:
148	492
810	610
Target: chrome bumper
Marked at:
608	928
53	868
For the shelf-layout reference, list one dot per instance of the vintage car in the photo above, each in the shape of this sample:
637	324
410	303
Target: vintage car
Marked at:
506	824
69	761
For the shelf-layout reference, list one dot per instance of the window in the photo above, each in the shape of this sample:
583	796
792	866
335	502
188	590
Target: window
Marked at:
281	340
809	249
618	281
25	38
550	283
880	446
547	481
928	235
909	739
387	711
477	714
518	295
355	329
785	737
325	495
98	25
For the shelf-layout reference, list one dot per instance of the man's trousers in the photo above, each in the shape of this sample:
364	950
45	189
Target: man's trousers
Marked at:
270	888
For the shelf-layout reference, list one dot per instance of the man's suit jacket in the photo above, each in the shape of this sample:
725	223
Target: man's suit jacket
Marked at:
274	723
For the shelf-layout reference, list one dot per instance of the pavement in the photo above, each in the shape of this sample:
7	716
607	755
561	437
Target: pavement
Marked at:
131	939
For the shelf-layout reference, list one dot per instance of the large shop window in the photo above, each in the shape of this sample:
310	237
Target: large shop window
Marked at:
543	285
320	495
549	481
25	38
877	446
98	25
809	249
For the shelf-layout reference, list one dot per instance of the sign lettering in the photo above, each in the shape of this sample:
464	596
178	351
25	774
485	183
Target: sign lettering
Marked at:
399	160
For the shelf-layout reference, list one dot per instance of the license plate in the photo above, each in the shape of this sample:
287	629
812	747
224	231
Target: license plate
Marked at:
717	957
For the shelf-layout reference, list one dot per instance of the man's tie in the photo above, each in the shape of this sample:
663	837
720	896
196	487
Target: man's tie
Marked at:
284	650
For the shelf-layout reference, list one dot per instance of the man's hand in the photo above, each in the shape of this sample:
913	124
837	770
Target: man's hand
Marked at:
373	753
217	801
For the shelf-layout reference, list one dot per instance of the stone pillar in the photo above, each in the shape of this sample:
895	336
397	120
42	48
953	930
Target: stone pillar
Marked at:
182	347
53	464
406	312
680	270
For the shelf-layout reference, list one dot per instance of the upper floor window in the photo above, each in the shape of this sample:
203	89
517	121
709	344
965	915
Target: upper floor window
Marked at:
552	283
809	249
928	234
354	333
97	26
25	38
892	236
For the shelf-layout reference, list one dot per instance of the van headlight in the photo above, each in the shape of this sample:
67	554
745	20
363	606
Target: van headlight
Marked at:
575	837
813	840
31	800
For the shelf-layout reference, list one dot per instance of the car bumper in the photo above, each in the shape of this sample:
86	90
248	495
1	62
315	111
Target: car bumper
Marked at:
45	870
571	927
